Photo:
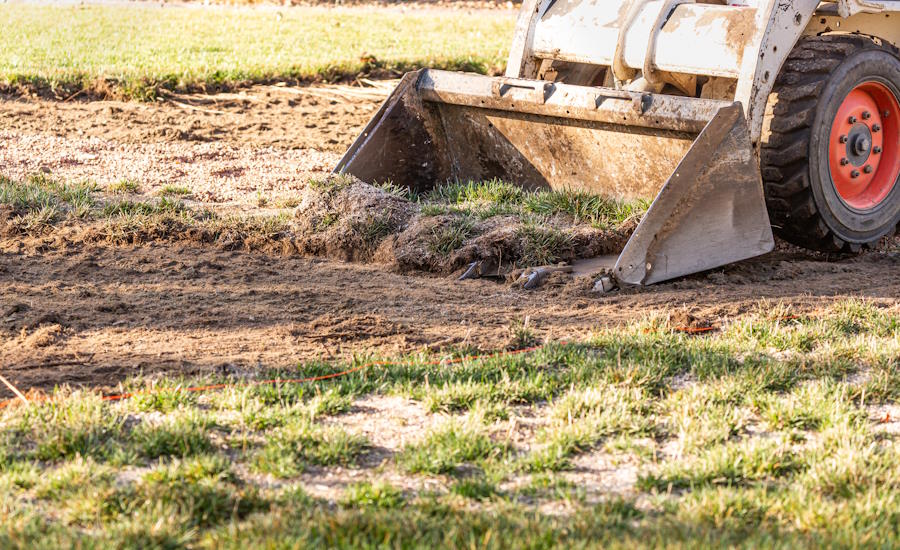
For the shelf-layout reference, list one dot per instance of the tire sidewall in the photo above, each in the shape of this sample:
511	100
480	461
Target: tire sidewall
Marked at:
871	64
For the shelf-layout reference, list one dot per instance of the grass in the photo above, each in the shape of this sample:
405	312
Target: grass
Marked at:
124	186
134	51
540	220
762	434
491	198
174	190
448	448
41	201
447	238
291	449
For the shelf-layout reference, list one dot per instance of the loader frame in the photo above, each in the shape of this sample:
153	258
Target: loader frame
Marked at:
779	25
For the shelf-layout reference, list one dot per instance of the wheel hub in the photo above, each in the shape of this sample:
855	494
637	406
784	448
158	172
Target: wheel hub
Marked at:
863	148
859	145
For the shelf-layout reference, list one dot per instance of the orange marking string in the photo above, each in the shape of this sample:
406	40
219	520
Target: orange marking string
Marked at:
695	330
13	389
40	398
274	381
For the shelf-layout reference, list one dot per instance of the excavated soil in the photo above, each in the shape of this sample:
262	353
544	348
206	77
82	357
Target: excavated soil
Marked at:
324	118
77	311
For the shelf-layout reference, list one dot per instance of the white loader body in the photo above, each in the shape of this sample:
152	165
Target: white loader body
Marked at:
659	99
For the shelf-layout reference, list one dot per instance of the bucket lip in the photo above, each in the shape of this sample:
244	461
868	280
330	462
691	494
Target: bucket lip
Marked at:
569	101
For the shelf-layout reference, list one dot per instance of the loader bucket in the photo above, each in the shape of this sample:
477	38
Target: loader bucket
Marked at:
693	155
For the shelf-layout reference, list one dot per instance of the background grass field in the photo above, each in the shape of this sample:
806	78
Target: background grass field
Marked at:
133	50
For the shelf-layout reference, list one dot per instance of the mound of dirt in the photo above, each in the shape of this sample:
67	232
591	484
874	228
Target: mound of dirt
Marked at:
342	218
43	336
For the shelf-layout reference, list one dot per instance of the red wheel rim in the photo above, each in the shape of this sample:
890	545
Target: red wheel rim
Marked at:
864	146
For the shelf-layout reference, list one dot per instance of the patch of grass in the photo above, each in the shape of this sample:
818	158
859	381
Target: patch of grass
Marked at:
65	428
542	245
124	186
133	52
731	464
475	488
491	192
179	436
161	399
473	199
444	450
372	495
327	221
522	335
291	202
449	237
41	199
174	190
584	207
126	208
374	228
290	449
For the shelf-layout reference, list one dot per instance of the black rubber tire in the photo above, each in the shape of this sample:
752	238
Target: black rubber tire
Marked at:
803	204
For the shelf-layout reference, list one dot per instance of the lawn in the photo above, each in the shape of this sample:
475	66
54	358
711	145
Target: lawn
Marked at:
773	430
132	51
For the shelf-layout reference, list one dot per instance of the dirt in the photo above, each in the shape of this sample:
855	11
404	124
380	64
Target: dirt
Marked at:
77	311
183	309
230	150
325	118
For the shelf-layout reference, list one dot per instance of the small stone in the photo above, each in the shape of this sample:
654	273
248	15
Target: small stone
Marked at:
604	284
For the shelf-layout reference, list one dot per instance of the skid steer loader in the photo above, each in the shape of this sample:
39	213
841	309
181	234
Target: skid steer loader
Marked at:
737	117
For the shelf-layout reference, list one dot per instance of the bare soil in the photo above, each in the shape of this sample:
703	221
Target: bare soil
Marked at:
74	311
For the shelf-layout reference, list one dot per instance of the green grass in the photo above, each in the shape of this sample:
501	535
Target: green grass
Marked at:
133	51
176	190
448	448
540	220
291	449
758	435
447	238
41	200
124	186
498	198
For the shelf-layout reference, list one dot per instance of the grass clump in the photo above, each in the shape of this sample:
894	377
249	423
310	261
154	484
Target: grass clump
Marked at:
731	464
179	436
448	237
124	186
175	190
126	208
372	495
584	207
374	228
42	200
446	449
289	450
542	245
493	191
475	488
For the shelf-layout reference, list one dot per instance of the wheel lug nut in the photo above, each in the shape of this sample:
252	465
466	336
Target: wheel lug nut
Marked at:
866	115
876	127
867	169
853	120
843	139
876	150
854	174
844	162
